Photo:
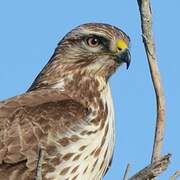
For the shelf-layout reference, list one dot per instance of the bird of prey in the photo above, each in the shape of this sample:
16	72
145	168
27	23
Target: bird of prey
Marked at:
62	128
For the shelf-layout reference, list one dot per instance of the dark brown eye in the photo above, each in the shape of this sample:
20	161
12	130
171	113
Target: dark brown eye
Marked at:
93	41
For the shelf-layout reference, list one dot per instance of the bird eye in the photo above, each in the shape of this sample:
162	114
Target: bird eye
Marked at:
93	42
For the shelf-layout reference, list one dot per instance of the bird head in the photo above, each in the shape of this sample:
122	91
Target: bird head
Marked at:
90	50
94	48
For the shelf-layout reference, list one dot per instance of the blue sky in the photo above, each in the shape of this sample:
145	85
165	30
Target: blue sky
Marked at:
30	30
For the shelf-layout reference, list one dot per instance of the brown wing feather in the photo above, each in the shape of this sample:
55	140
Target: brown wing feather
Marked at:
26	121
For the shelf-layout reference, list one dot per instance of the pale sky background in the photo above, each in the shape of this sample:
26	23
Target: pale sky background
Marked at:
30	30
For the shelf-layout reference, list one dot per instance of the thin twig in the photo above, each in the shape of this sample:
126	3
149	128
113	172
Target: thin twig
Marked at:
175	175
126	172
153	170
146	24
38	175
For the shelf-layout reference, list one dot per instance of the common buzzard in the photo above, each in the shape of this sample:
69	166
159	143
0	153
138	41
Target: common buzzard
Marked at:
62	128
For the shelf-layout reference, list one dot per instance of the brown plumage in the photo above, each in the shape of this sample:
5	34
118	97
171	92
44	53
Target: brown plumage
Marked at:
62	128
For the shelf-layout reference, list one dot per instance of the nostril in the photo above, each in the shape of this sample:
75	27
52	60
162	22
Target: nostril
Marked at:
120	49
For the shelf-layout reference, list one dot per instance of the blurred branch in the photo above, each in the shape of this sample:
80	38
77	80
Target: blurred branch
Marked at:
153	170
146	25
175	175
126	172
38	175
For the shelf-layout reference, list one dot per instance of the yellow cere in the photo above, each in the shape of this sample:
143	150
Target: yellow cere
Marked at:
120	44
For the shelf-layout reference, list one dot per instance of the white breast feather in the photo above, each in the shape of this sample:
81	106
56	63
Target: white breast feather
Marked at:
92	141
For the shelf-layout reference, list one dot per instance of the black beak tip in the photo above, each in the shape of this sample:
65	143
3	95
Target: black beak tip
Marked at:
127	65
125	57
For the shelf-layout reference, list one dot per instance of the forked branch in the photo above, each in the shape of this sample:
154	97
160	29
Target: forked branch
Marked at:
158	164
153	170
149	44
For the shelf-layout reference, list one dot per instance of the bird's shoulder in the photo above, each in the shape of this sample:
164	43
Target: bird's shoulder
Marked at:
26	121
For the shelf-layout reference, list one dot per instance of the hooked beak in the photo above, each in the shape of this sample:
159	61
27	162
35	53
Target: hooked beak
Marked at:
124	56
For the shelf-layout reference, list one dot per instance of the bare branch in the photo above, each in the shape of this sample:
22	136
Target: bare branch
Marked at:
158	164
146	24
153	170
38	175
126	172
175	175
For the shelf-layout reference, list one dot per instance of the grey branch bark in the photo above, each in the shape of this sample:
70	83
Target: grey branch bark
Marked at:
38	175
149	44
153	170
175	175
158	163
126	172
